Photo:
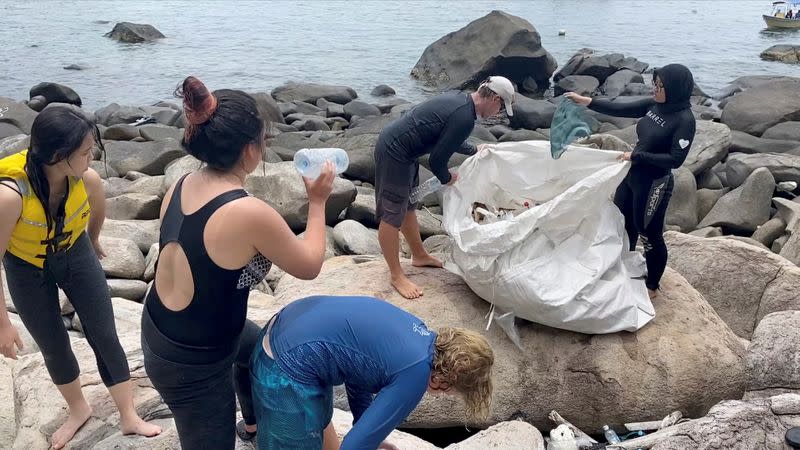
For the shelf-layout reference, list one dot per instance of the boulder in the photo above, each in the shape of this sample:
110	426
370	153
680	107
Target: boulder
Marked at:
729	425
771	230
522	135
581	84
745	208
362	210
13	144
353	238
159	132
115	114
143	232
742	142
509	46
707	232
133	33
738	167
16	114
532	114
361	109
789	212
791	248
311	92
682	209
771	363
616	83
360	150
150	158
382	90
56	93
706	199
763	106
123	258
786	131
710	146
133	206
506	435
586	62
741	282
127	289
39	408
708	180
614	378
121	132
782	52
147	186
268	108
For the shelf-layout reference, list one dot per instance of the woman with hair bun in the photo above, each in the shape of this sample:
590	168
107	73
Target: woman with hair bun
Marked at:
217	242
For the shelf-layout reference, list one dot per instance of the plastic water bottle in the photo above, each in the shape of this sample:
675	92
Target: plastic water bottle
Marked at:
569	123
611	436
430	186
309	161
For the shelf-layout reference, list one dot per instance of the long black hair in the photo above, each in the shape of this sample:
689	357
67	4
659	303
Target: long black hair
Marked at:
56	134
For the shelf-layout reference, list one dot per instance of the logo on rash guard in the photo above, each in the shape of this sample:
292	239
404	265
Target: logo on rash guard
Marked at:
421	329
683	143
656	118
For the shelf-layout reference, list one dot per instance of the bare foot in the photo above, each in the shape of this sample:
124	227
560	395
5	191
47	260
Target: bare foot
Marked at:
138	426
77	417
426	261
652	293
406	288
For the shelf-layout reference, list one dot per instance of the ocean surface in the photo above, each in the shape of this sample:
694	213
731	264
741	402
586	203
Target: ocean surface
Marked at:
258	45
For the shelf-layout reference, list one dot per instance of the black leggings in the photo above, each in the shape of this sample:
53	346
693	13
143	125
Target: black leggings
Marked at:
198	385
643	202
34	292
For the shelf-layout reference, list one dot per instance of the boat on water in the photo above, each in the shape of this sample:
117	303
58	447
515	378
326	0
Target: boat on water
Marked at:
783	15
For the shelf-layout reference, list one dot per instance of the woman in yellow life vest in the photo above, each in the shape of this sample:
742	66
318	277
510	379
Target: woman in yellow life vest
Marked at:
53	208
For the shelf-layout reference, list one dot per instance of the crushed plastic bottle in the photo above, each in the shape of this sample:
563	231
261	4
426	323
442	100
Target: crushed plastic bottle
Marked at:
570	122
426	188
611	435
309	161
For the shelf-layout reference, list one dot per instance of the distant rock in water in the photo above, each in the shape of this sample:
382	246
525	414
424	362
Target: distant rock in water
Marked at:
102	22
496	44
134	33
74	67
783	53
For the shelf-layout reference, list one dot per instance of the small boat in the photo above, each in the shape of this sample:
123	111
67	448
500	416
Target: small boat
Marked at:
777	17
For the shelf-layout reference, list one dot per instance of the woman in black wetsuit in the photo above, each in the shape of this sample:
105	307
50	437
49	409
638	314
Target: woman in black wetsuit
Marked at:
665	135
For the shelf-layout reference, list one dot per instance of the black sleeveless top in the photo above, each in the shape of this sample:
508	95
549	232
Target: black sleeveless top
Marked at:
216	315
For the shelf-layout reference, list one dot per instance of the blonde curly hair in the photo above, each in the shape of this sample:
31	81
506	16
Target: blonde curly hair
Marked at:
463	360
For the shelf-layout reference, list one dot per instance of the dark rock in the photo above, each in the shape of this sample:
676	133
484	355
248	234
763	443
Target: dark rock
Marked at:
133	33
56	93
382	91
509	46
310	92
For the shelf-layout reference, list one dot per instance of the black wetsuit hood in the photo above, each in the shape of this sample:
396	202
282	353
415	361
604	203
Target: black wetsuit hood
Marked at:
678	86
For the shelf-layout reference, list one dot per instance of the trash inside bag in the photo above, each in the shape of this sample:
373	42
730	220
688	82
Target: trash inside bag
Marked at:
570	122
542	240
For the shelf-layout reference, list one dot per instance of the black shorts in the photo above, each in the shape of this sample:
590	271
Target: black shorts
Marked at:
394	181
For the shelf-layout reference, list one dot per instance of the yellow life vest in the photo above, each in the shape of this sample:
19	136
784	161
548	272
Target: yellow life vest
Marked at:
31	239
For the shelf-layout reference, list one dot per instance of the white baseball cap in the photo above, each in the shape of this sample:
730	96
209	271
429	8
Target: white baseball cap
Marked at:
502	87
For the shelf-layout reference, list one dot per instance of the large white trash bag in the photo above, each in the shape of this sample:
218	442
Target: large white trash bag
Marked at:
564	261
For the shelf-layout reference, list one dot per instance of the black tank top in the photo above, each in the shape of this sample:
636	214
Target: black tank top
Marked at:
215	317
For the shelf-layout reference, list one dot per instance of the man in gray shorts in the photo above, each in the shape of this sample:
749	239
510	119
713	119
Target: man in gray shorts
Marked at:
439	127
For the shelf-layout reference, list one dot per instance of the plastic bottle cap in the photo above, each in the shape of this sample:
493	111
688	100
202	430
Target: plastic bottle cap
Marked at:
793	437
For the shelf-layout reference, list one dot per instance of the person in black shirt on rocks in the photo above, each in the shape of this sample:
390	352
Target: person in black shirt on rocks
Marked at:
665	135
439	127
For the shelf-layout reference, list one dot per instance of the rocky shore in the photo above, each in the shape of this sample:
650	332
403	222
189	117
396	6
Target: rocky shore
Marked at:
723	348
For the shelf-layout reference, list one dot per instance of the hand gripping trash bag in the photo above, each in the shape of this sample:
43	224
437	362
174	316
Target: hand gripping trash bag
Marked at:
561	257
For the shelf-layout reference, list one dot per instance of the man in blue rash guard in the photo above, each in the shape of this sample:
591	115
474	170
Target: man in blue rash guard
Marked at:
372	347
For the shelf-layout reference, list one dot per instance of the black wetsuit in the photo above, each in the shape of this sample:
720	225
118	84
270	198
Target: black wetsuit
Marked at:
439	127
665	136
197	356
